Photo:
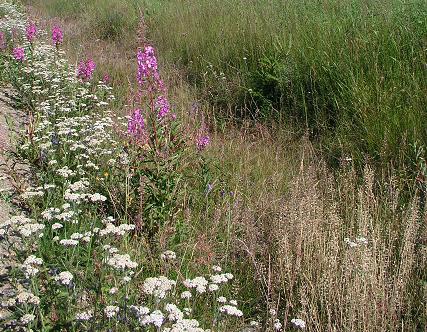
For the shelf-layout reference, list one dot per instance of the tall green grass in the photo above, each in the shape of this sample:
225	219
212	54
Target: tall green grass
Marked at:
104	19
351	72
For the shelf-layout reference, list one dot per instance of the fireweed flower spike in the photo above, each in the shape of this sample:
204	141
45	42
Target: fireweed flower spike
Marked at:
19	54
163	106
106	79
136	124
148	70
31	32
85	70
57	35
202	142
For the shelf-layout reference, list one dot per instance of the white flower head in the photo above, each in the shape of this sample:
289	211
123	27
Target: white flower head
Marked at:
121	262
168	255
213	287
158	286
186	295
84	316
113	290
26	297
216	268
277	325
64	278
231	310
111	311
222	299
27	318
298	323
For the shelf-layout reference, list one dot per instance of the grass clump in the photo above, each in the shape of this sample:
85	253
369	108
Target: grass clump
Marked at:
350	72
112	19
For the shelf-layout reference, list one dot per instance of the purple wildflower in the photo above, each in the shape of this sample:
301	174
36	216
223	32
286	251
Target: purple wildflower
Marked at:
57	35
202	142
19	53
148	70
31	32
106	79
136	124
162	104
2	40
85	69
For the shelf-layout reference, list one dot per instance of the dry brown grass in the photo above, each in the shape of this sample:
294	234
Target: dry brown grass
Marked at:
306	269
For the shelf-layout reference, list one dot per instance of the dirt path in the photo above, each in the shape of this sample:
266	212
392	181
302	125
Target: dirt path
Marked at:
6	112
11	122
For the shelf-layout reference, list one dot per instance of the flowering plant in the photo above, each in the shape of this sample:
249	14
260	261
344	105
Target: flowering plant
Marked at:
158	148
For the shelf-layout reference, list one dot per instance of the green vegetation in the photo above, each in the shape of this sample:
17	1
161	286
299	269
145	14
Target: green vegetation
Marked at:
313	188
351	72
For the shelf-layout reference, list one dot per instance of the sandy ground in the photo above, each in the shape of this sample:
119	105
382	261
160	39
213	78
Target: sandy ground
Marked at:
11	123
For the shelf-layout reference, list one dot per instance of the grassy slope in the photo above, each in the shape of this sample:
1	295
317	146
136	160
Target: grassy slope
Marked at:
283	235
351	71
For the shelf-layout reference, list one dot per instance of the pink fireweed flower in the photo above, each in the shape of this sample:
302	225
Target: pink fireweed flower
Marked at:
31	32
136	124
19	54
202	142
163	106
2	40
57	35
148	70
85	69
106	79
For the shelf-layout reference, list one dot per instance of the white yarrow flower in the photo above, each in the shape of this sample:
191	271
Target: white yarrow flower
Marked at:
64	278
299	323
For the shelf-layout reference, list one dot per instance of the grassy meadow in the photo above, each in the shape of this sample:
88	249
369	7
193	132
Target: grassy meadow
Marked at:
312	189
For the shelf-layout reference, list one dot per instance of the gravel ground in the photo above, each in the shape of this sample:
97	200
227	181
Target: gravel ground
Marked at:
12	172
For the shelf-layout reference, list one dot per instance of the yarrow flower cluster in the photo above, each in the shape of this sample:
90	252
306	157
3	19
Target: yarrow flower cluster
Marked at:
111	311
199	283
84	316
120	230
27	319
298	323
121	262
231	310
85	69
27	298
158	286
168	255
64	278
30	265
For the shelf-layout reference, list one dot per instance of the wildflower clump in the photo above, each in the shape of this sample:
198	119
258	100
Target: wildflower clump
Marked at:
102	188
31	32
85	70
159	146
57	35
19	54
